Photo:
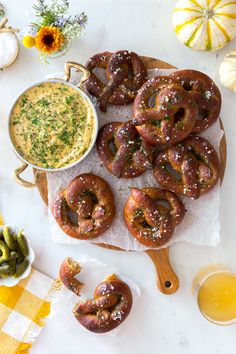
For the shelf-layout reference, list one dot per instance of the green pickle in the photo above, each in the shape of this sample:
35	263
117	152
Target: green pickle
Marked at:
5	252
20	257
9	238
5	269
12	264
13	253
21	240
4	276
21	269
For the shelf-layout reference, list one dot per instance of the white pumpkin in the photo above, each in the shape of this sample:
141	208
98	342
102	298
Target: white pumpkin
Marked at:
228	71
205	24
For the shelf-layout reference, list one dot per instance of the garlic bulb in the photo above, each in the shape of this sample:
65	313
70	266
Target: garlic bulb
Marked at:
228	71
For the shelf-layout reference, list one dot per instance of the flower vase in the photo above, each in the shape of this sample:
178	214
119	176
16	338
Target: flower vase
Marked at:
61	52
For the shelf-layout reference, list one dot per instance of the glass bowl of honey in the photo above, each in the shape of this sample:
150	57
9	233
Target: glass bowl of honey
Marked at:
214	287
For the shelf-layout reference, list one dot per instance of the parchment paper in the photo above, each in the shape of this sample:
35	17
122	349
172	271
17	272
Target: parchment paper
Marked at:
200	225
93	272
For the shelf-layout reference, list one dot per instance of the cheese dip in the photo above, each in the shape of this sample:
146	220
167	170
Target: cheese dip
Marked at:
51	125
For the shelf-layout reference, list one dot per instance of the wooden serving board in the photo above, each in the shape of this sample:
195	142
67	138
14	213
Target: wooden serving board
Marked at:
167	280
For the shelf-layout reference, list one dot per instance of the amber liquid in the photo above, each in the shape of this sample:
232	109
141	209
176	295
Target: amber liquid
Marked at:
217	298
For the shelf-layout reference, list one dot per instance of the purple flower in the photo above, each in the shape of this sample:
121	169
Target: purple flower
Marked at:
77	20
81	19
60	22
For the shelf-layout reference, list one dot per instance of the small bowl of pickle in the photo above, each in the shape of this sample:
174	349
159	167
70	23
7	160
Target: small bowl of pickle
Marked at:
16	255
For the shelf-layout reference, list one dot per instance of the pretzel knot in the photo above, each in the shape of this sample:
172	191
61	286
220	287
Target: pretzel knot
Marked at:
125	74
151	214
205	93
90	200
190	168
123	151
68	270
111	305
170	118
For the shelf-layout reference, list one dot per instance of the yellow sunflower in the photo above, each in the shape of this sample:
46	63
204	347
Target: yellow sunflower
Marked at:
48	39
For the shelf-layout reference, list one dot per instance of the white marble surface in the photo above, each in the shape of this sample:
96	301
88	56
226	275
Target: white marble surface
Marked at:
161	324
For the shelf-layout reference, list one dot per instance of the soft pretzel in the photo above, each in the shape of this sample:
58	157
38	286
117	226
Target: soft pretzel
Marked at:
142	110
123	152
91	198
125	73
151	214
173	115
68	270
110	306
205	93
190	168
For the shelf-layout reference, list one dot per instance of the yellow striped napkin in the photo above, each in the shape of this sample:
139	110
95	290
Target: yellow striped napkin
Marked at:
23	310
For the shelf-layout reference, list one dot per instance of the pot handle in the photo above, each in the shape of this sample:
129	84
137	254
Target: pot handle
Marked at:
18	179
78	67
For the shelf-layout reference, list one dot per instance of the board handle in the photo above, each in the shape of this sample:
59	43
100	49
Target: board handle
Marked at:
167	280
